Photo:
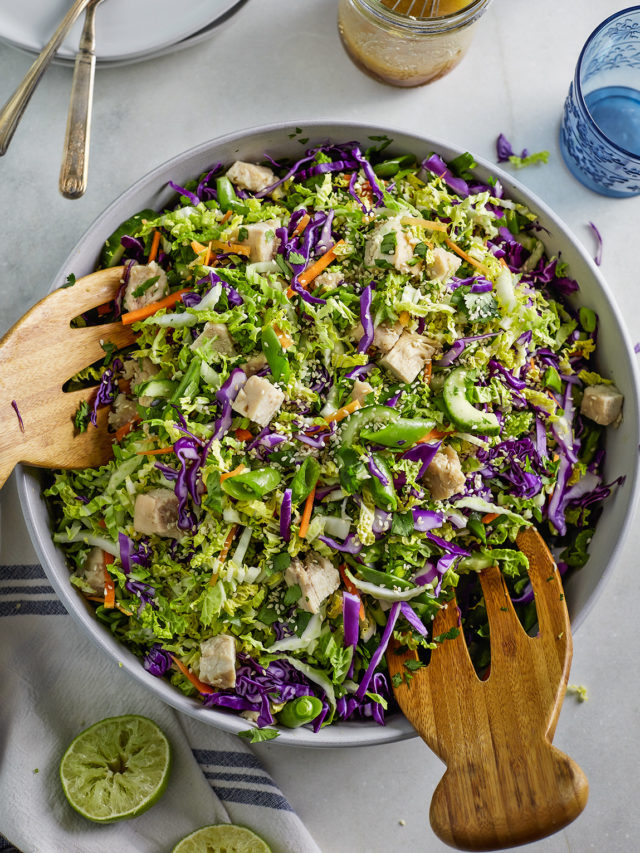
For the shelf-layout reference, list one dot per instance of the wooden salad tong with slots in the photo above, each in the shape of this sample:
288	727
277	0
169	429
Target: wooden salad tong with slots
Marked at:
505	783
37	356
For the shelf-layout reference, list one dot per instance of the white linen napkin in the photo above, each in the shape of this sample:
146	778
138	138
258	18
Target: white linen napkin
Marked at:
55	683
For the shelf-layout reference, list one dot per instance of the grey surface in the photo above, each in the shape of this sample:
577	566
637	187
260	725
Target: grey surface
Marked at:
283	61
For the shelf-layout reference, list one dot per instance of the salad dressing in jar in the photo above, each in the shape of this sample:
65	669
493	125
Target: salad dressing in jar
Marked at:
391	42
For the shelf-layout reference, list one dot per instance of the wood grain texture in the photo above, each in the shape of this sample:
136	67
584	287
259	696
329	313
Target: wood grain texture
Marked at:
37	356
505	783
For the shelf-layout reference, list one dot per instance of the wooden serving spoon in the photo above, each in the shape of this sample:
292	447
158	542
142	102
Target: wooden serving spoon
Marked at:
37	356
505	783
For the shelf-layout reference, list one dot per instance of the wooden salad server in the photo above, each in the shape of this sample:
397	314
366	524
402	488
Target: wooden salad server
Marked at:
37	356
505	783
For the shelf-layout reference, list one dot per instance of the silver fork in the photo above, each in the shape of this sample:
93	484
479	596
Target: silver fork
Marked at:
12	111
75	158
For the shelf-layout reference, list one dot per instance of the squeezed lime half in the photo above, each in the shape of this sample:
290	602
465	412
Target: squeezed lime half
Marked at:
222	838
116	769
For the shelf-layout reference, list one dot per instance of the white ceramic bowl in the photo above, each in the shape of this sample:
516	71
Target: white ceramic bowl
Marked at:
615	360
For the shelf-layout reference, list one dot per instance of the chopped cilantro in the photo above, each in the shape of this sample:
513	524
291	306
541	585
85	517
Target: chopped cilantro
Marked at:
142	288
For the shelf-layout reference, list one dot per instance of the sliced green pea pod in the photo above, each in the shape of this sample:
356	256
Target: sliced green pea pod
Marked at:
252	484
189	382
400	434
299	712
304	480
157	388
461	412
551	379
363	418
275	355
477	528
113	250
384	497
227	198
588	319
390	168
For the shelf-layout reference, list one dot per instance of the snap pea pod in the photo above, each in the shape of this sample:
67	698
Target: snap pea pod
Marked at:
390	168
383	579
252	484
384	496
476	527
157	388
275	355
551	380
304	480
299	712
363	418
227	198
400	434
189	382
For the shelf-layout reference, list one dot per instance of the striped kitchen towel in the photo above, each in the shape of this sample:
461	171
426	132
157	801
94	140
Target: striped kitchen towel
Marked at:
55	683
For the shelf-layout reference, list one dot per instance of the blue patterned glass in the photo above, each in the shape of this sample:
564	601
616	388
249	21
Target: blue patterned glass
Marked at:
600	132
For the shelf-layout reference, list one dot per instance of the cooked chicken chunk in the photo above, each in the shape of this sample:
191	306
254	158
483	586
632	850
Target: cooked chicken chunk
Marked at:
408	356
261	240
444	476
328	280
218	661
94	570
360	391
157	512
250	176
139	372
122	411
384	336
219	334
138	277
389	242
316	577
258	400
444	265
254	364
602	403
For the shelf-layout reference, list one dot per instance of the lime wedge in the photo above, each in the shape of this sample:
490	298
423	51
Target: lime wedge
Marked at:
222	838
116	769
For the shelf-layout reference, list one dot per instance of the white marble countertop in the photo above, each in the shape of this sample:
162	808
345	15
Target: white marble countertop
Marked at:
282	60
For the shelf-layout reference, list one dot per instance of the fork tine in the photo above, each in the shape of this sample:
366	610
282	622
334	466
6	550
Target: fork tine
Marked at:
84	344
89	292
553	617
504	626
452	655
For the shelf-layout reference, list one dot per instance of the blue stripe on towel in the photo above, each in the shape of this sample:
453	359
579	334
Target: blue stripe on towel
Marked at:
226	759
21	572
52	607
7	846
26	590
253	798
239	777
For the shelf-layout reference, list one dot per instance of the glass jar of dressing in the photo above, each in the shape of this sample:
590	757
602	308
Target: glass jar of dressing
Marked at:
392	42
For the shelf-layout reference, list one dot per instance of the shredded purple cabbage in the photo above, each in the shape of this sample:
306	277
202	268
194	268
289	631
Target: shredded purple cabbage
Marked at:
157	660
423	453
285	515
437	165
186	193
366	319
598	236
376	657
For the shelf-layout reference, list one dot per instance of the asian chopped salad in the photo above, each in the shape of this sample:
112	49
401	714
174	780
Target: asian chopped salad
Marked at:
356	377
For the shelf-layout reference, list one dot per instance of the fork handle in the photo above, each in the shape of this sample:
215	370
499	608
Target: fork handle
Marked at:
12	111
522	796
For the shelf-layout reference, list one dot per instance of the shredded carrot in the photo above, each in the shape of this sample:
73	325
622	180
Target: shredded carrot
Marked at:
316	267
198	248
125	429
306	219
224	553
503	262
283	337
147	310
532	363
99	598
306	515
351	588
207	256
403	318
123	609
426	373
489	517
244	434
155	245
433	435
344	412
236	248
425	223
226	217
109	586
199	685
233	473
104	309
466	257
157	452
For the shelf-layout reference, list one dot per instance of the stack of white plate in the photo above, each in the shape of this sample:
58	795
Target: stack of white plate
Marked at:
126	30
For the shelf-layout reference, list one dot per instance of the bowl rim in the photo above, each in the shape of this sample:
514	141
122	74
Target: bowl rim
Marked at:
352	733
